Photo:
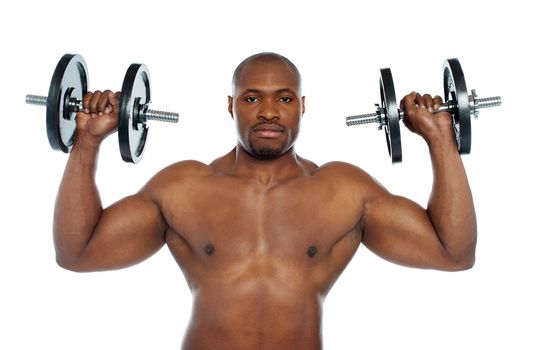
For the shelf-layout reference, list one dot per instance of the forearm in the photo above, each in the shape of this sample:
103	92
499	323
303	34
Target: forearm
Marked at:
78	206
450	206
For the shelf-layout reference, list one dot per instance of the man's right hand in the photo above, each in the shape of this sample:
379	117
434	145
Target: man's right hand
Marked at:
88	237
99	116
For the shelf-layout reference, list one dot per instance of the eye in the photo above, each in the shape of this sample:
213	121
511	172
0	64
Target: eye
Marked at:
251	99
285	99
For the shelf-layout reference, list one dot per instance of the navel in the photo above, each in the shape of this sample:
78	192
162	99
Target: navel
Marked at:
312	251
209	249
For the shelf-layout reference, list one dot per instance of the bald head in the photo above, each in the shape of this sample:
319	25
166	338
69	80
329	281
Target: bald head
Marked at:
266	58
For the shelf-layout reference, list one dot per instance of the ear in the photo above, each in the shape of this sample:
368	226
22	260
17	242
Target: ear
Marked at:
303	105
230	103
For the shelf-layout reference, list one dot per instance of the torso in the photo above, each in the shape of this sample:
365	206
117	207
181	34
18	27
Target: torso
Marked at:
260	259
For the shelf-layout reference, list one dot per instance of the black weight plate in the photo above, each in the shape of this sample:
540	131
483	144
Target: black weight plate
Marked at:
392	115
456	91
135	94
70	80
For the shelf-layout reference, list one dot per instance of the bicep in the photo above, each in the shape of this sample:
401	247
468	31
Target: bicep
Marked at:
399	230
127	233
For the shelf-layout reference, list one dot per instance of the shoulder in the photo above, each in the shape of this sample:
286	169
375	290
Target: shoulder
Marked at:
184	169
349	176
344	170
177	174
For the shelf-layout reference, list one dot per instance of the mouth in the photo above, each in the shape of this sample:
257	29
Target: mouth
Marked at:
269	131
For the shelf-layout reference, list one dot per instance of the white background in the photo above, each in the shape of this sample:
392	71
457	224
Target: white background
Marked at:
191	49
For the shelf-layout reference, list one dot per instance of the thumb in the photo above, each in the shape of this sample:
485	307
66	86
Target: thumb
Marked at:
81	119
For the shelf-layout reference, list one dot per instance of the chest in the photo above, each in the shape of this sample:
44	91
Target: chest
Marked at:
238	219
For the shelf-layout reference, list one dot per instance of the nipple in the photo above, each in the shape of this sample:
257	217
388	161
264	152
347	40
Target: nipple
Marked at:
209	249
312	251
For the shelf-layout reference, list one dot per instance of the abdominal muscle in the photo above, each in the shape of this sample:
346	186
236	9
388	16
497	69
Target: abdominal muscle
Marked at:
258	313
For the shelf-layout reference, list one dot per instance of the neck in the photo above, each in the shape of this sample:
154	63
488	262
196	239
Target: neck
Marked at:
266	172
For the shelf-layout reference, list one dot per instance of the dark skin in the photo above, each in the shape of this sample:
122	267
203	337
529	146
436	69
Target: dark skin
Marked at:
262	241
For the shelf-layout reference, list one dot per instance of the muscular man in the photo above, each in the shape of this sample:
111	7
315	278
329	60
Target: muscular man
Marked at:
261	234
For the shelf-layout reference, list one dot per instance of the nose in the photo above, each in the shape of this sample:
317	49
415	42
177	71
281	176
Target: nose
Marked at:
268	111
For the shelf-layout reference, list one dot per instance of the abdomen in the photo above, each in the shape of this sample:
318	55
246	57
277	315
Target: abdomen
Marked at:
255	315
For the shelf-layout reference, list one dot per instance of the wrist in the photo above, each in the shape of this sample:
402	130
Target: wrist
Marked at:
441	137
84	154
442	148
84	140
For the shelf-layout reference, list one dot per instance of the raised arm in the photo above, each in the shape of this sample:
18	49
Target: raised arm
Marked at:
444	235
88	237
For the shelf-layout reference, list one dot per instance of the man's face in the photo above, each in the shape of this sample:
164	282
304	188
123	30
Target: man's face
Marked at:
267	108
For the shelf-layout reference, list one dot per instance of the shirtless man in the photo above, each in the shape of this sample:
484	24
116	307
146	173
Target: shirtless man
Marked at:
261	234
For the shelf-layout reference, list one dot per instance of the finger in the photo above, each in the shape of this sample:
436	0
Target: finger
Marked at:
419	100
86	101
114	100
428	102
406	100
81	119
103	103
438	101
82	116
93	104
409	101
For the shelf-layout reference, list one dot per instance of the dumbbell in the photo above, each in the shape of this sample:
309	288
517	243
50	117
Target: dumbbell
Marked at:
65	99
461	105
